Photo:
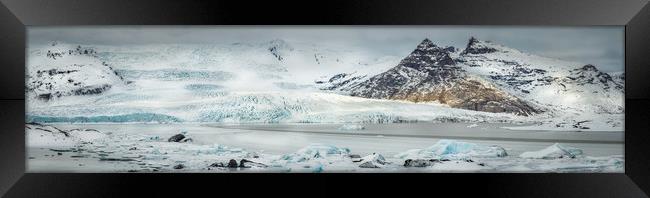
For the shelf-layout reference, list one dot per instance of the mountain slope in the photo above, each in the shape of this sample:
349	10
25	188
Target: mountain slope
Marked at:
61	70
430	74
549	82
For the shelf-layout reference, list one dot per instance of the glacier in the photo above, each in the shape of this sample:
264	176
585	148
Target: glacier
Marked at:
291	82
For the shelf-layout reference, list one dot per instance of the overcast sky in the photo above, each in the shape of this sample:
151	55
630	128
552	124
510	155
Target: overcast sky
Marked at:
599	45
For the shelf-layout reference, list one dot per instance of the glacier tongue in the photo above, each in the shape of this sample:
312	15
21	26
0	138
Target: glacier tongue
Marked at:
248	82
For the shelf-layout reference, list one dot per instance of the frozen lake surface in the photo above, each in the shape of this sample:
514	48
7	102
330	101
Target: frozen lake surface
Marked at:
385	139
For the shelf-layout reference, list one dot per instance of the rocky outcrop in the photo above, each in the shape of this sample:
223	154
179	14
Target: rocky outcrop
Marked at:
589	74
475	46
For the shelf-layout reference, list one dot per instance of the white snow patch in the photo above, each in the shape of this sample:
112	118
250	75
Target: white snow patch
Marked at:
351	127
553	152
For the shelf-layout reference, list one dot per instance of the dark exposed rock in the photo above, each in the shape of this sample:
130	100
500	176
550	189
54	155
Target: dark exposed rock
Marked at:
45	97
217	164
47	128
477	47
578	125
91	90
115	159
274	51
420	162
176	138
589	74
232	163
244	163
181	137
63	150
179	166
337	76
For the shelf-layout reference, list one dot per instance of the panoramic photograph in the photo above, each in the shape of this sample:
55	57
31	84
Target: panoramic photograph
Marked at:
325	99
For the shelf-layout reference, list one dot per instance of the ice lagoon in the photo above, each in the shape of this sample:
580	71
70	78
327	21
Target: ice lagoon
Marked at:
145	148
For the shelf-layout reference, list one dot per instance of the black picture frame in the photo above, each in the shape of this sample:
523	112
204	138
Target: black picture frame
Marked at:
15	15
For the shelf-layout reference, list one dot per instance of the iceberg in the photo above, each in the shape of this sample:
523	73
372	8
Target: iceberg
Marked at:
315	151
451	149
373	161
553	152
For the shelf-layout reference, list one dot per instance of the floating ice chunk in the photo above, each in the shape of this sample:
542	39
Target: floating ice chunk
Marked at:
373	161
472	125
316	158
450	149
214	149
553	152
131	156
351	127
314	151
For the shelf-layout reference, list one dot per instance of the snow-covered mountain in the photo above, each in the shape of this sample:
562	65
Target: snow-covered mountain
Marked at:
430	74
275	61
62	70
486	76
550	82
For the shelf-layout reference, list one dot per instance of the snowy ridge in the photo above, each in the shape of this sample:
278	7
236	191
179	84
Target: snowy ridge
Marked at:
545	80
62	70
578	95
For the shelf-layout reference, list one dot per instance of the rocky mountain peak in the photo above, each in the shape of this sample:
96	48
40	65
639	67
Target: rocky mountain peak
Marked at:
430	74
476	46
589	74
426	44
426	56
589	67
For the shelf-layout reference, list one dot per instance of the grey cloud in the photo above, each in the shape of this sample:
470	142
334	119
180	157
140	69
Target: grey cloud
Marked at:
599	45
